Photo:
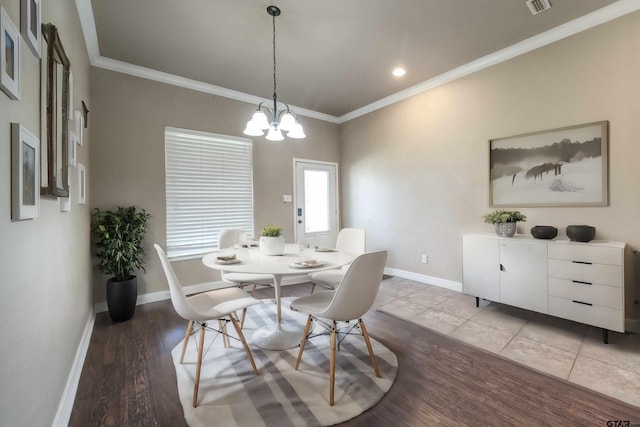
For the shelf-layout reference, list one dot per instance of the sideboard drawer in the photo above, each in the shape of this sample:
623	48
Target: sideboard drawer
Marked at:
584	253
602	317
607	296
610	275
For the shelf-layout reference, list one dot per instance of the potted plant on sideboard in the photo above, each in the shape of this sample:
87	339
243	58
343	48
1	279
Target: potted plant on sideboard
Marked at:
505	222
118	239
271	240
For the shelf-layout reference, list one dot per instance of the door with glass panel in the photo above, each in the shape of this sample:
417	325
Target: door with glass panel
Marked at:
315	202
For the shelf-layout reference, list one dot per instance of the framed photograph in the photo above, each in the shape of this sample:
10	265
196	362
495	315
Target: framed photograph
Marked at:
65	204
30	24
559	167
25	174
79	126
72	149
9	56
82	184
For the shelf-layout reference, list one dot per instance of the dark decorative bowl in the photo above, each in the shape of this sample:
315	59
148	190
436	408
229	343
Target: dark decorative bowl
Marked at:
581	233
544	232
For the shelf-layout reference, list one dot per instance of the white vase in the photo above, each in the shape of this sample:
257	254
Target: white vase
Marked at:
272	245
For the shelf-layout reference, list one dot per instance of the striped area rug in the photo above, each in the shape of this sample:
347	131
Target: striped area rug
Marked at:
232	395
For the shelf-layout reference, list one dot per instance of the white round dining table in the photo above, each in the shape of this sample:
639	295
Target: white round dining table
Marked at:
279	336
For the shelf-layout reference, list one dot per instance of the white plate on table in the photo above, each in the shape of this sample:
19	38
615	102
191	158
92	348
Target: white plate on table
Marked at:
227	261
306	264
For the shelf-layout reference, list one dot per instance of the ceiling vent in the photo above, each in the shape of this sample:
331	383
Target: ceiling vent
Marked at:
537	6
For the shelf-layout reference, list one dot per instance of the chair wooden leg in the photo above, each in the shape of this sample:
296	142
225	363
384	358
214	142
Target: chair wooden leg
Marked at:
332	363
186	340
244	315
313	286
303	341
254	288
198	365
368	341
223	330
236	325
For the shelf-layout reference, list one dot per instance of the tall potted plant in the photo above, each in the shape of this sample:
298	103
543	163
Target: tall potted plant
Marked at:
118	239
505	222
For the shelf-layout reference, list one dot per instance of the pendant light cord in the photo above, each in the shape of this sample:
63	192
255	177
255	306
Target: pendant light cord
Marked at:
274	64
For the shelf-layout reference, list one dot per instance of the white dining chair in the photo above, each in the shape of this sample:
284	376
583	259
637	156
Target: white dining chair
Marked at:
219	304
351	241
350	301
228	238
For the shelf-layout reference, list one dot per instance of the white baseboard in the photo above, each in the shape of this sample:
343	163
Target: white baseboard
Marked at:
65	406
193	289
423	278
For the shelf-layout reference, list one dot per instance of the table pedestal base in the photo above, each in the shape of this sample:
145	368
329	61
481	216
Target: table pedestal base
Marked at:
278	337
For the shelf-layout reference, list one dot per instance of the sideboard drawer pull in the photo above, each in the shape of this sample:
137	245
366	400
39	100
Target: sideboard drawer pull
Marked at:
582	262
583	303
581	282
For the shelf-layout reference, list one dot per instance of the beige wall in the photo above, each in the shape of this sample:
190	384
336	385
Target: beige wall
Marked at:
45	269
415	174
128	117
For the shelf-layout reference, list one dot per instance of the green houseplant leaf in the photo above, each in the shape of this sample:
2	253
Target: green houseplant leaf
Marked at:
118	239
271	231
502	216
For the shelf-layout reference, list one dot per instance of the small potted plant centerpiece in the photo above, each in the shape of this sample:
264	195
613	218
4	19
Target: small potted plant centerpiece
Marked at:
504	221
271	240
118	239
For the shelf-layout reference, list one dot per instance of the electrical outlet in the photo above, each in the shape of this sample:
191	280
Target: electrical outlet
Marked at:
425	259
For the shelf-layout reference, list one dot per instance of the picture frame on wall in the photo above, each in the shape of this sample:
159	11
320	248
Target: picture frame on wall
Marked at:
79	126
565	166
25	174
73	154
55	72
10	57
82	184
31	24
65	204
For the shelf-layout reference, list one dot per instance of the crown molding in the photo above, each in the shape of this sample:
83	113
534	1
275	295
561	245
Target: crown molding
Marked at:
600	16
172	79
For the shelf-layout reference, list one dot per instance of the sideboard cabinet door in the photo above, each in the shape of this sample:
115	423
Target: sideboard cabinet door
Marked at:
481	267
523	274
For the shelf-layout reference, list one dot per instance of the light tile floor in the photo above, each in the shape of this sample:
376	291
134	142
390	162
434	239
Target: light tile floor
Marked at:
566	349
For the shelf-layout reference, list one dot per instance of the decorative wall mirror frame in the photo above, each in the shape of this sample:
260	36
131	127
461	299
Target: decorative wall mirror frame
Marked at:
55	88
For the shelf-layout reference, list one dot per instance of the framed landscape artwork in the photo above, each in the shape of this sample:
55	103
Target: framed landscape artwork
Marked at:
9	56
25	174
559	167
30	24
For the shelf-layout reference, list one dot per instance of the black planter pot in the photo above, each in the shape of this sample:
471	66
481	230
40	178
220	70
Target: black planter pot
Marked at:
121	298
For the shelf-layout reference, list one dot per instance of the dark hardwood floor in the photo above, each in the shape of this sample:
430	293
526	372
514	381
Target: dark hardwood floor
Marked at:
128	379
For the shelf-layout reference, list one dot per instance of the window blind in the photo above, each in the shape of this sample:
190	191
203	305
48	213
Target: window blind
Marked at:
209	186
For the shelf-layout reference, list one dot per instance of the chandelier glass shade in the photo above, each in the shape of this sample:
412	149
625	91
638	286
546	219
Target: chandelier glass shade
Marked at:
282	118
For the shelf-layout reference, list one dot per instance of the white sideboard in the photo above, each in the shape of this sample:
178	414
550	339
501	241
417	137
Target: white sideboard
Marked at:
583	282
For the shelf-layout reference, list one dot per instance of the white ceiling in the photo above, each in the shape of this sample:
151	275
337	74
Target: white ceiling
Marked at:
334	57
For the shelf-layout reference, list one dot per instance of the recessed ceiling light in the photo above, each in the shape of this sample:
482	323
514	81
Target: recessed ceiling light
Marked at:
399	72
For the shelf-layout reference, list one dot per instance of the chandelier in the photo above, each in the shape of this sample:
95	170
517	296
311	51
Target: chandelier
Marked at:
283	119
